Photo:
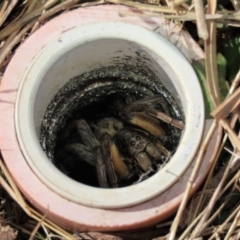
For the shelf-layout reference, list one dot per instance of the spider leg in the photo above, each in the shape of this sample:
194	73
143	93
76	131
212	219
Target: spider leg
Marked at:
145	122
144	176
118	162
72	156
80	150
161	148
86	134
142	105
143	161
89	140
101	170
165	118
153	152
146	114
106	146
155	107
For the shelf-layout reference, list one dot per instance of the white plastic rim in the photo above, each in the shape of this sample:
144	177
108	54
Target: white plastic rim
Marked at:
81	49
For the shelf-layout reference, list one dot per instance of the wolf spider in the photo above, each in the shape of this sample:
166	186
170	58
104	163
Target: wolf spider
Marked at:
120	152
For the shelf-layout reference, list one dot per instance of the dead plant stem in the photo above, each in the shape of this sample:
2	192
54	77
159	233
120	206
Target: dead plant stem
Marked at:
190	226
191	180
215	215
236	4
160	9
12	41
60	7
228	185
222	226
23	11
179	2
11	193
231	134
49	224
32	237
211	62
233	226
6	13
235	83
190	16
50	3
23	230
217	212
4	6
208	182
89	4
209	177
26	19
200	19
15	192
31	5
202	223
17	196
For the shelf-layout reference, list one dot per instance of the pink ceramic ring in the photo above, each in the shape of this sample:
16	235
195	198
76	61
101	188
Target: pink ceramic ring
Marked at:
66	212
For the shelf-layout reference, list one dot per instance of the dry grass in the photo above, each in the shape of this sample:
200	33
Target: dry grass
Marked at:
214	212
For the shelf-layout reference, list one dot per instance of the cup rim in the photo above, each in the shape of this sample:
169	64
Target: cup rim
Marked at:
175	64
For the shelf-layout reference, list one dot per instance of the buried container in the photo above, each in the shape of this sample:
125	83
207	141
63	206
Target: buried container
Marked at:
125	51
112	50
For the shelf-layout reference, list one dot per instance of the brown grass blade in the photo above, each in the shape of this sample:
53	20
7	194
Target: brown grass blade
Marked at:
191	180
235	83
211	183
203	223
231	134
6	13
17	196
12	188
228	106
12	41
189	16
233	167
140	6
32	236
179	2
224	226
57	8
236	4
2	11
233	226
200	201
33	15
201	21
211	63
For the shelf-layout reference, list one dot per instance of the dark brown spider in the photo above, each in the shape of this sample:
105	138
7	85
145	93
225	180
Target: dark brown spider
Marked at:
78	144
118	152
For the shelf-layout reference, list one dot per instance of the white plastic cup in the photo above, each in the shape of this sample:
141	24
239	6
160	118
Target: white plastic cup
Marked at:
86	48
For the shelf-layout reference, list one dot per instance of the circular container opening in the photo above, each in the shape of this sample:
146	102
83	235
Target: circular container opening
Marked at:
102	127
101	50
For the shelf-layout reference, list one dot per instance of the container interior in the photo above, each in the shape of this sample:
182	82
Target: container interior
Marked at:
94	55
